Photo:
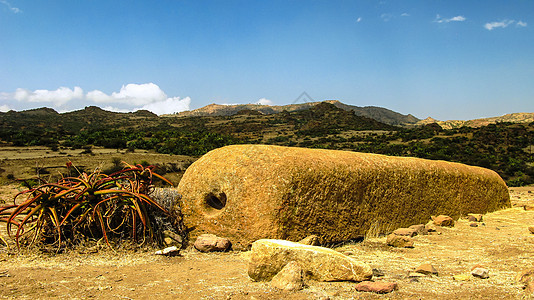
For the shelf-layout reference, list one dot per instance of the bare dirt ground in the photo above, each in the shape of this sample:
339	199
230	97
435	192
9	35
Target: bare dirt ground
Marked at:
502	244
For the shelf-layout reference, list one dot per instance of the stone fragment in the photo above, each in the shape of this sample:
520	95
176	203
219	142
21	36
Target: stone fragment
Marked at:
268	257
169	251
431	227
289	278
462	277
211	242
311	240
379	287
480	273
426	269
416	275
378	273
420	229
172	239
529	207
474	217
444	221
531	229
399	241
473	225
405	232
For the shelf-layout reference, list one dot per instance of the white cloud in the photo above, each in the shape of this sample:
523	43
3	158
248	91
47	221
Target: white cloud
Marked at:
439	19
58	97
135	94
521	24
501	24
405	15
131	97
4	108
386	17
264	101
10	7
168	106
359	20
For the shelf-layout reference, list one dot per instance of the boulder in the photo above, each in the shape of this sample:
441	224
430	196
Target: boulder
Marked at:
311	240
290	278
268	257
444	221
380	287
250	192
399	241
211	242
426	269
405	232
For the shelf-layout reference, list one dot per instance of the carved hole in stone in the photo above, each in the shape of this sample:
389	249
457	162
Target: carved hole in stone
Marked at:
216	202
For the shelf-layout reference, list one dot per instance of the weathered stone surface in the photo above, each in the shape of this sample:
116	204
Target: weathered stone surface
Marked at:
526	277
211	242
405	232
531	229
474	217
290	278
420	229
444	221
250	192
380	287
426	269
311	240
431	227
399	241
480	273
268	257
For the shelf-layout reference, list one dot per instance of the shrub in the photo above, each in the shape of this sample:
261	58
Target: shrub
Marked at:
92	205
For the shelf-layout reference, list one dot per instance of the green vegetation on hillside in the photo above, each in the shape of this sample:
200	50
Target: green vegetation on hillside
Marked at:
506	148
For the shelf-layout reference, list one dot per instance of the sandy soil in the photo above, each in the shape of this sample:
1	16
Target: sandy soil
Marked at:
502	244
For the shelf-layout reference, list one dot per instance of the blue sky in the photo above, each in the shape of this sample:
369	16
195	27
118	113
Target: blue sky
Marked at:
444	59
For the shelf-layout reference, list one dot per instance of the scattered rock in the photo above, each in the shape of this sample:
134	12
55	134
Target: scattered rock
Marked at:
420	229
473	225
405	232
211	242
172	239
380	287
462	277
289	278
444	221
477	266
399	241
268	257
169	251
426	269
529	207
474	217
311	240
480	273
531	229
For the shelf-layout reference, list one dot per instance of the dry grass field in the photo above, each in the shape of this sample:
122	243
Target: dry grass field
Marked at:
501	243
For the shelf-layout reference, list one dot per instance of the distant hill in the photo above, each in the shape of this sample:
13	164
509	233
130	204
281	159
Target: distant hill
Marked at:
476	123
380	114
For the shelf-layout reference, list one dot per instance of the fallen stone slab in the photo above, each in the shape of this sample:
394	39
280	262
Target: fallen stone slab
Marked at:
268	257
250	192
379	287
